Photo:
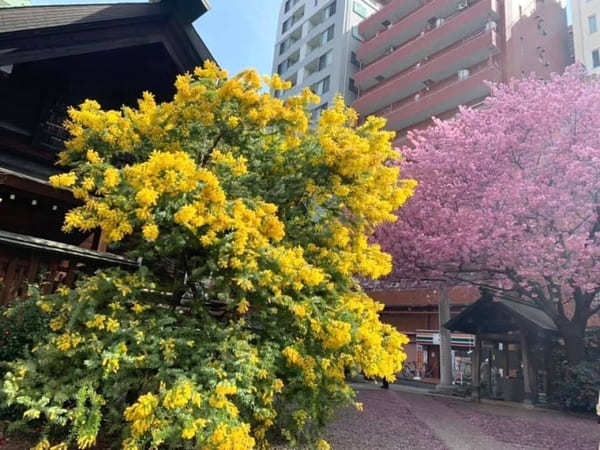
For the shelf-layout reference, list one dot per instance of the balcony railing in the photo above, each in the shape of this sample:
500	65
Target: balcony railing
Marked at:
408	28
463	54
463	22
444	97
371	27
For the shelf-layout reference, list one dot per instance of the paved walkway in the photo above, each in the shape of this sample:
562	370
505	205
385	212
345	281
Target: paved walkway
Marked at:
402	418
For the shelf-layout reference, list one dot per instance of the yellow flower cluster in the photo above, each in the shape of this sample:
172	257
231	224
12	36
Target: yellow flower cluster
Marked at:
67	341
378	349
232	438
63	180
192	427
337	334
236	165
305	362
168	349
141	414
102	322
180	395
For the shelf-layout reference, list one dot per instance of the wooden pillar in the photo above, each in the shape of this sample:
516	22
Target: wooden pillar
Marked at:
528	372
9	282
476	369
445	340
549	366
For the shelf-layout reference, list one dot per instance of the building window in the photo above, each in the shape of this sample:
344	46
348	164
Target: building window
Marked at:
325	85
352	86
354	60
356	34
329	33
360	9
324	60
331	9
592	24
286	25
288	5
596	58
321	87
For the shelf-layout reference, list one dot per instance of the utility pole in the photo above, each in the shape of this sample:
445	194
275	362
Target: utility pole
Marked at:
445	340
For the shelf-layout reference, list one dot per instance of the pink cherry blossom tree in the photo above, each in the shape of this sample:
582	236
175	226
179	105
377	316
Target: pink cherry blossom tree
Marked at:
509	198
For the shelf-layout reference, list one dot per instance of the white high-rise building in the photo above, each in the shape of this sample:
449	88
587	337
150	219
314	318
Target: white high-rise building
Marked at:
586	33
315	45
11	3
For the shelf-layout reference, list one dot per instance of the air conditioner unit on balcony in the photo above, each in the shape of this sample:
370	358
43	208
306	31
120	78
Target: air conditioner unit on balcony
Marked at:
439	22
417	97
463	74
464	4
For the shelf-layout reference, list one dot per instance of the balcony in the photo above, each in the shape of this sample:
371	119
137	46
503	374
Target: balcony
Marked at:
389	14
408	28
463	54
438	101
456	28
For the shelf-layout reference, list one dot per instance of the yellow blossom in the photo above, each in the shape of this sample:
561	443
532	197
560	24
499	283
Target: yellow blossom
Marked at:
63	180
150	231
93	157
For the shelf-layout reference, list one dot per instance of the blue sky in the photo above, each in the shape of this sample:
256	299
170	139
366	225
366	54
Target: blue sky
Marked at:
239	33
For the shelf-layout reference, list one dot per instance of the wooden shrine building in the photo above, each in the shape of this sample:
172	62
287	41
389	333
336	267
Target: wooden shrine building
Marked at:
52	57
512	355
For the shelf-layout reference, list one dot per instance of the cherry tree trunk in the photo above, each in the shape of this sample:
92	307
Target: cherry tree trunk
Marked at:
573	333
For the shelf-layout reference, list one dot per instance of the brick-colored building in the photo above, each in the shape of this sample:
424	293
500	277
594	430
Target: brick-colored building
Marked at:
414	312
425	58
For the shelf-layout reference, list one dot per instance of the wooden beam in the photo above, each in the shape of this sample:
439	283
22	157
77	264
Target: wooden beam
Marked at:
35	186
500	337
70	43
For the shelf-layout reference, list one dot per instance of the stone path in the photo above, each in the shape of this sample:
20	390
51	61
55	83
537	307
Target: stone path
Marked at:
402	419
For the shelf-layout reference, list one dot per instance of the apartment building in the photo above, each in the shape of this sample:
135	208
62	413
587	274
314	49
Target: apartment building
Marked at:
316	44
586	37
424	58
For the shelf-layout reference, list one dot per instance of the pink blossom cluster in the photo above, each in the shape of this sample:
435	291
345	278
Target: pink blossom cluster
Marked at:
509	192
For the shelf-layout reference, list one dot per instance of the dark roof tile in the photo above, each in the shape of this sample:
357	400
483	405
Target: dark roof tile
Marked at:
41	17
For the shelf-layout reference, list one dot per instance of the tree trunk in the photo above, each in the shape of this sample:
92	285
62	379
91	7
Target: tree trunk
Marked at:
573	332
445	340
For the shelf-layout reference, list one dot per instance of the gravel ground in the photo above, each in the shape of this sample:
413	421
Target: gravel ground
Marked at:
397	419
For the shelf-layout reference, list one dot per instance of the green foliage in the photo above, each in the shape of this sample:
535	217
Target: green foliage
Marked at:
577	387
20	328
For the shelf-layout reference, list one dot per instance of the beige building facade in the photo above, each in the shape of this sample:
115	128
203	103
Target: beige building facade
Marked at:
586	33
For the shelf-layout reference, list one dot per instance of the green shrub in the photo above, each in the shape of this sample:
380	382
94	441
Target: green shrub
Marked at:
21	327
576	388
